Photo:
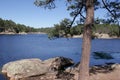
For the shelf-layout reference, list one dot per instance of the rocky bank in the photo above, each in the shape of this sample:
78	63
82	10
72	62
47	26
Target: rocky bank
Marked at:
58	68
98	35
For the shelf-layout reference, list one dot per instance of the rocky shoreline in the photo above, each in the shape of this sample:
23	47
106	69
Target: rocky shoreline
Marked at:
96	35
99	36
58	68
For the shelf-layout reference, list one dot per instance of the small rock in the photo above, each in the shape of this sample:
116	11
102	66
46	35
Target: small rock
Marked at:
115	66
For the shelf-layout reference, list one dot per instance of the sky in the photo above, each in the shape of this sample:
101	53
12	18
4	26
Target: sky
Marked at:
25	12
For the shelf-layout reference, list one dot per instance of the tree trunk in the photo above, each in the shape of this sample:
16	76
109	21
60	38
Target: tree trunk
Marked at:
86	46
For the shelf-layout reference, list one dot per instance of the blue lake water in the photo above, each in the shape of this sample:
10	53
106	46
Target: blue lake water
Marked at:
15	47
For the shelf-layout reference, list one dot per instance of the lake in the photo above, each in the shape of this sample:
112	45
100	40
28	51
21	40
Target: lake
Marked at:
15	47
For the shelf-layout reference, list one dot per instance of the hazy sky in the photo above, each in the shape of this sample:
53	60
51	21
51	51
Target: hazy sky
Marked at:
25	12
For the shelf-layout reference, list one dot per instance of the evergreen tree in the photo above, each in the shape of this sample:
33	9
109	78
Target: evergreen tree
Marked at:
78	7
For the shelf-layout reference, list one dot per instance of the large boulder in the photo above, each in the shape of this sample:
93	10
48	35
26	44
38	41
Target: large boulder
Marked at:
24	68
35	67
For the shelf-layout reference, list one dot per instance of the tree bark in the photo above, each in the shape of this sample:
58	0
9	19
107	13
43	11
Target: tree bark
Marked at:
86	46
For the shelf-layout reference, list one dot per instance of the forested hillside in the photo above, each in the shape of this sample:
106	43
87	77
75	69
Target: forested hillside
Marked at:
11	26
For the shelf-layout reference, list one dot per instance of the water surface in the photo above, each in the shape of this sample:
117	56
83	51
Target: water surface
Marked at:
15	47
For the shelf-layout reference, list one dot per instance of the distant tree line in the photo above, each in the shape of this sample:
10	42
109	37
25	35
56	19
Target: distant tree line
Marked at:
110	29
11	26
45	29
63	30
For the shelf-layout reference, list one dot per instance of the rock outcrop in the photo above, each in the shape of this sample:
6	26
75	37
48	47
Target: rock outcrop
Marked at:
102	35
57	68
36	69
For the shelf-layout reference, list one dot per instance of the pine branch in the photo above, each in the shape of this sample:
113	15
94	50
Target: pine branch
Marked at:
79	12
108	9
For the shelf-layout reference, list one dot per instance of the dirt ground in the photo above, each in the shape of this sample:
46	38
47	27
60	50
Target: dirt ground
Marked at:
107	72
113	75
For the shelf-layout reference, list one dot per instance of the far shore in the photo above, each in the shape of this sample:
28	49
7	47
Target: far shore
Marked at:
98	36
12	33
